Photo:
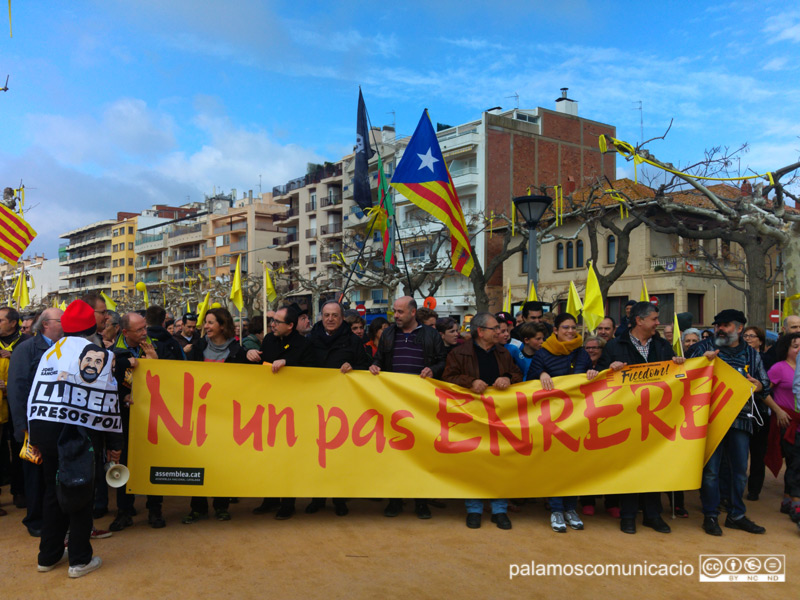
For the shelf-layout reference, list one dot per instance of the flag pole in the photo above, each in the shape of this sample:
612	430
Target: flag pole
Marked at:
396	228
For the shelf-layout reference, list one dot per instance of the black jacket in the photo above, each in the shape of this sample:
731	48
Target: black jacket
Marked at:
343	346
183	341
21	371
236	354
167	347
433	351
294	349
622	349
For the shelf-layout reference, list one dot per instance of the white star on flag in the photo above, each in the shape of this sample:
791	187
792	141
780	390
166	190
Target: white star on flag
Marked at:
427	160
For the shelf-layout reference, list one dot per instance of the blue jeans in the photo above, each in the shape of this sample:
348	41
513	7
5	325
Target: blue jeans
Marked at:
560	504
736	447
476	506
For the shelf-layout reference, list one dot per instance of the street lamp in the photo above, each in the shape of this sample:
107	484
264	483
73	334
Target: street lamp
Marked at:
532	208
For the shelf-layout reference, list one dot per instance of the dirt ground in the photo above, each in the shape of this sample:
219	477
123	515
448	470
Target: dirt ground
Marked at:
366	555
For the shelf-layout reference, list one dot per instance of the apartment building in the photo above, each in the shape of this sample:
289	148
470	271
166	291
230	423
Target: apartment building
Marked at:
87	254
123	255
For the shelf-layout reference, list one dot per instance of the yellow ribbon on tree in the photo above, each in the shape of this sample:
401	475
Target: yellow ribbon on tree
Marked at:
623	210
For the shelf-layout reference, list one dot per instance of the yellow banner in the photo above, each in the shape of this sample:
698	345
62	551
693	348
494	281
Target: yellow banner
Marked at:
207	429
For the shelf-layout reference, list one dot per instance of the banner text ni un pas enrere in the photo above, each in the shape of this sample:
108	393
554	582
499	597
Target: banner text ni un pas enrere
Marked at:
206	429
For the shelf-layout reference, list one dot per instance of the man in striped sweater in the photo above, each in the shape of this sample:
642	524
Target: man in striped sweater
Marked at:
728	345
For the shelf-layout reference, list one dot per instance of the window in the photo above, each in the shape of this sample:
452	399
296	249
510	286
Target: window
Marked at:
570	262
579	253
560	256
130	276
130	245
130	230
377	296
130	262
696	308
611	250
524	269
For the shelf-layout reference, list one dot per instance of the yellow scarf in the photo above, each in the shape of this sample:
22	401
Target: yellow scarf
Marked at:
557	348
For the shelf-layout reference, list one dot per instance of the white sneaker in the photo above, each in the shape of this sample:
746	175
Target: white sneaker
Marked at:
47	568
557	522
81	570
573	520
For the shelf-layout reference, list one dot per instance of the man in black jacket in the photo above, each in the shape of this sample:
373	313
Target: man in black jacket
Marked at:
167	347
22	370
409	347
335	346
188	335
283	347
641	344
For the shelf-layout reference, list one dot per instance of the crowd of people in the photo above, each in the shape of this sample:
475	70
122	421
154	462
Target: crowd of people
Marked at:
493	351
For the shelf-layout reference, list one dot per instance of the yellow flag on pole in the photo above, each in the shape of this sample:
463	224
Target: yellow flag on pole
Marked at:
109	302
532	297
644	296
202	309
24	299
63	305
272	295
676	337
593	308
507	303
236	288
574	304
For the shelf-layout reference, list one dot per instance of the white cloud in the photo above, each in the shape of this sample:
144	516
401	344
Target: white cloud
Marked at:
127	130
776	64
785	26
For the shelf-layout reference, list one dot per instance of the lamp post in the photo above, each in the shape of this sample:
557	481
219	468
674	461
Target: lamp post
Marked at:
532	208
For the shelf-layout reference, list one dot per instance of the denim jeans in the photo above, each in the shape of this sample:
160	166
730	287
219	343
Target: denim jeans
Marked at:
476	506
736	447
560	504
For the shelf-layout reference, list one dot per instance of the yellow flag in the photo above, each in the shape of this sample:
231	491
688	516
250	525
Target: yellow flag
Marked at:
272	295
202	309
532	297
574	304
236	288
644	296
24	299
188	307
17	289
507	303
593	309
787	305
63	305
676	337
109	302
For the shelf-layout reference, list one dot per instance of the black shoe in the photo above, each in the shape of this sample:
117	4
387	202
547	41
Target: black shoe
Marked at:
315	506
627	525
752	496
284	512
121	521
267	506
744	524
474	520
156	520
20	501
657	523
422	510
340	508
34	532
99	513
501	520
394	508
711	525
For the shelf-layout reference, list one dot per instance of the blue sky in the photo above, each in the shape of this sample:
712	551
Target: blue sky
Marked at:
119	105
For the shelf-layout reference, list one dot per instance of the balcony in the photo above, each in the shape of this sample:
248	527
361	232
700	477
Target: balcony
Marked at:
291	263
322	172
290	238
286	216
325	257
228	227
311	207
176	231
311	233
331	200
185	256
311	260
240	246
330	229
142	263
78	242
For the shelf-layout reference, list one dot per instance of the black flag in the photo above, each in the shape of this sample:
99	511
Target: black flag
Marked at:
362	191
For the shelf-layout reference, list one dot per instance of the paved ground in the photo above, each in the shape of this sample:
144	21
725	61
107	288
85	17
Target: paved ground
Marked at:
366	555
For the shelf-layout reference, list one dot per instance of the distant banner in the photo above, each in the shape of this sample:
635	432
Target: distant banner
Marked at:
74	383
239	430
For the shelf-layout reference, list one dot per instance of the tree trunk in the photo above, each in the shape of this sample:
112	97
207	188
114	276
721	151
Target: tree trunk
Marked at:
479	286
756	284
791	266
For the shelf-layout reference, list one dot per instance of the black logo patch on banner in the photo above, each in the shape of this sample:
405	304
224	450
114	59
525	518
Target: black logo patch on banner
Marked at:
177	475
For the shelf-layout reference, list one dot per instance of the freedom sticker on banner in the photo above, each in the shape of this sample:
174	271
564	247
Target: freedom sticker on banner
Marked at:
74	384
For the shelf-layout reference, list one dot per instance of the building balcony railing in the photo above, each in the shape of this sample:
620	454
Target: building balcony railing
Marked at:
142	263
331	228
228	227
315	177
285	239
335	200
289	214
287	264
311	207
311	260
240	246
148	238
185	230
311	233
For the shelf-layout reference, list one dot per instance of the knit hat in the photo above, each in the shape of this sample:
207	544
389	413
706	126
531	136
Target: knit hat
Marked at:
78	319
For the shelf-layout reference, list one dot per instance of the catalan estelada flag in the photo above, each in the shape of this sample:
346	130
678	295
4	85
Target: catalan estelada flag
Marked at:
422	177
15	235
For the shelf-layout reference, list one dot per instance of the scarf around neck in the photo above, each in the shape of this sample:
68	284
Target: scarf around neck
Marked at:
557	348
